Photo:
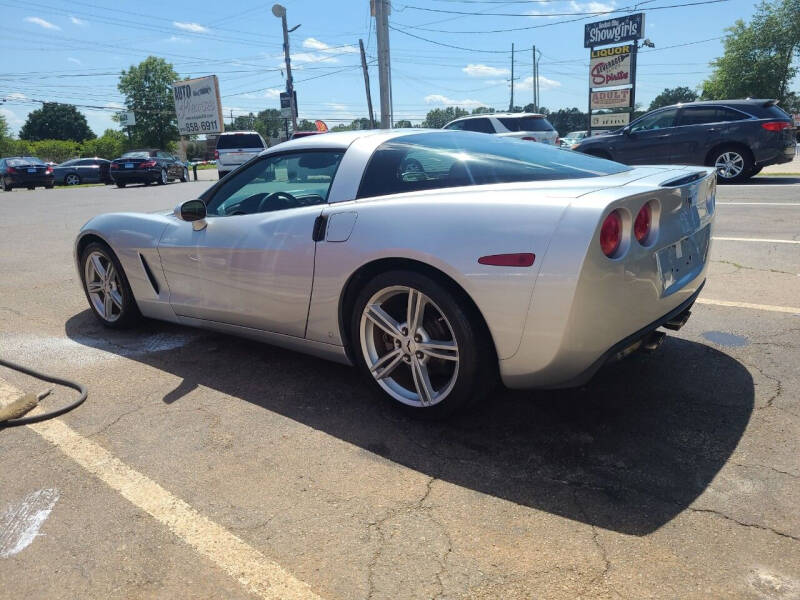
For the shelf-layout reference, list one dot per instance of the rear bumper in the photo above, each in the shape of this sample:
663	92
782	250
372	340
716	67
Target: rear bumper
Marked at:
25	180
135	175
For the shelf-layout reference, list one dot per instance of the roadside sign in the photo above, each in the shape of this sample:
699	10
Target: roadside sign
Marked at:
611	120
286	109
127	118
613	31
198	106
611	99
610	66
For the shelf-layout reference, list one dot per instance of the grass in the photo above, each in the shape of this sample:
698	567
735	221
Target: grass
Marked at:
762	174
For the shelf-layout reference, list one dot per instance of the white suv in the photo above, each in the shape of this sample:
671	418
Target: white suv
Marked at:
236	148
525	126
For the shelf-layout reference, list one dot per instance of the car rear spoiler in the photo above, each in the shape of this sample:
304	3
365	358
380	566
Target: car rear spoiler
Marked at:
769	103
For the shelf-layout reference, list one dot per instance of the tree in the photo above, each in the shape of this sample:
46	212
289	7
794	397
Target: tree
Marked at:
110	145
55	121
5	130
439	117
758	56
482	110
672	96
565	120
403	124
147	88
531	108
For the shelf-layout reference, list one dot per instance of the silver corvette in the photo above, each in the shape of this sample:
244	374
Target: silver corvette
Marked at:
431	260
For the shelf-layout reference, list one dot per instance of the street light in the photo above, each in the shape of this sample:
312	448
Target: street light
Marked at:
280	12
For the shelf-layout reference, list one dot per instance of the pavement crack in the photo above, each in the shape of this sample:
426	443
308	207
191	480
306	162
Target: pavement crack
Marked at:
115	421
757	466
744	524
739	266
596	541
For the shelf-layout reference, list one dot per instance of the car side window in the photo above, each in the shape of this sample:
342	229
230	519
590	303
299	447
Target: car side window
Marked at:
659	120
479	125
728	114
458	125
166	155
277	183
699	115
85	163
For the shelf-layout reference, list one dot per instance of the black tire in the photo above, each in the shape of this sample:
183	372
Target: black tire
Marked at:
121	184
163	178
129	314
7	187
74	178
185	175
49	186
745	160
755	171
476	371
31	187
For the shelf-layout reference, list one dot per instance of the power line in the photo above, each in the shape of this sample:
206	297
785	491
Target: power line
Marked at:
455	12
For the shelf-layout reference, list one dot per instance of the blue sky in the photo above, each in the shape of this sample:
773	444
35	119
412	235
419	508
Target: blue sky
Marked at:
73	52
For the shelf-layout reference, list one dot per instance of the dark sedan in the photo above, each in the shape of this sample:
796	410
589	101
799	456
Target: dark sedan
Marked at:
82	170
25	171
147	166
738	137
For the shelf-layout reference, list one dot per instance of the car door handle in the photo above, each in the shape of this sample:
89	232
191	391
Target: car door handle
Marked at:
711	129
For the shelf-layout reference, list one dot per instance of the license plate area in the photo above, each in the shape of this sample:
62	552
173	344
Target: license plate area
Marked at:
680	262
128	165
31	170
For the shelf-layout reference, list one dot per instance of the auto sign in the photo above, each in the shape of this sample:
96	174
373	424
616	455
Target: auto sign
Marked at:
614	31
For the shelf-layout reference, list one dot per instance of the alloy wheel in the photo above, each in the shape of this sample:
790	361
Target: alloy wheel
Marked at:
729	165
103	286
163	176
72	179
409	346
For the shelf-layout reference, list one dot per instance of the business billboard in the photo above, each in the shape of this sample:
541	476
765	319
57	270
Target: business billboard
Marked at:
610	67
610	120
613	31
611	99
198	106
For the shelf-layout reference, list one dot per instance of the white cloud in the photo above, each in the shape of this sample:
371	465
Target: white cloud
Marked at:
466	103
77	21
273	93
270	93
193	27
592	6
176	39
314	44
311	57
13	119
544	83
484	71
41	23
74	60
16	96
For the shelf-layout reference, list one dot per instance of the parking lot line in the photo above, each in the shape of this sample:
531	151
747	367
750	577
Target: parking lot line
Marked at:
767	307
248	566
763	240
758	203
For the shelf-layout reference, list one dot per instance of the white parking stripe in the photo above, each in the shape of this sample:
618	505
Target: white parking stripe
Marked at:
763	240
767	307
758	203
257	573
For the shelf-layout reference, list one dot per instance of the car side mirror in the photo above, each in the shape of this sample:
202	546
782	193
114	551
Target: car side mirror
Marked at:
193	211
626	131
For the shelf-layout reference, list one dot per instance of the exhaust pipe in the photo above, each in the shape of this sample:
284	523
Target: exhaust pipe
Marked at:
652	341
678	321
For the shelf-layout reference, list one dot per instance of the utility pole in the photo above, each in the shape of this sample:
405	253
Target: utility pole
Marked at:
535	81
280	11
384	64
511	104
366	83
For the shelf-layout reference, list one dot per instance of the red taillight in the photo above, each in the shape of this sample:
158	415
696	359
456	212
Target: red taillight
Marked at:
530	139
519	259
49	170
776	125
558	141
641	226
114	165
216	154
611	233
10	170
147	164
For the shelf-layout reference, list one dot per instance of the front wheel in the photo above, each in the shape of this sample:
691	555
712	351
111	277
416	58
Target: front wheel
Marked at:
163	178
421	344
185	175
121	185
733	164
107	288
7	187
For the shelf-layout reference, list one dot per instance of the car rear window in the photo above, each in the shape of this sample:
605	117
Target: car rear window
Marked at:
445	159
137	154
239	140
776	112
26	160
526	123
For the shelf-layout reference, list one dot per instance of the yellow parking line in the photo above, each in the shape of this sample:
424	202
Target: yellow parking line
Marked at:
767	307
763	240
241	561
759	203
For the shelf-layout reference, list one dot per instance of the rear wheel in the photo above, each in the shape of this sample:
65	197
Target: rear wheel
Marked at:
162	180
420	344
185	175
49	186
733	164
107	288
7	187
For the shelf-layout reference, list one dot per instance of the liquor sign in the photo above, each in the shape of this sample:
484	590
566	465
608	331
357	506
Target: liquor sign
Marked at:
610	120
611	99
610	67
614	31
197	104
127	118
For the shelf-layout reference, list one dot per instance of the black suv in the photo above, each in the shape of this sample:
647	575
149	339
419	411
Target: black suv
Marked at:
738	137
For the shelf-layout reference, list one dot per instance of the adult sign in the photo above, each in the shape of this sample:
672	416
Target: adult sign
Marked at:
610	67
613	31
610	120
197	104
611	99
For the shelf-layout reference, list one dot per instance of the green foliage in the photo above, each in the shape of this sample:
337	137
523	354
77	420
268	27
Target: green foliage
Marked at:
482	110
439	117
672	96
403	124
565	119
531	108
362	123
110	145
55	121
5	130
758	56
147	88
306	125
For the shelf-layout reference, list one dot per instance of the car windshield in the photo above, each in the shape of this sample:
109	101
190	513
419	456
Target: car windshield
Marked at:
454	158
137	154
24	160
526	123
576	135
239	140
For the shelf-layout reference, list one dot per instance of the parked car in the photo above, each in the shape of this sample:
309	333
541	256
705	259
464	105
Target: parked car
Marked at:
235	148
573	137
416	261
82	170
525	126
147	166
25	171
300	134
736	137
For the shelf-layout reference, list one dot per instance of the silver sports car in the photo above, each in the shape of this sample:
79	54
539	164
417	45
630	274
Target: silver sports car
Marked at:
431	260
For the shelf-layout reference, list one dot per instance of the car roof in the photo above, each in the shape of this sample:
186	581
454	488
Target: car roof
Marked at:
499	114
741	102
239	133
343	139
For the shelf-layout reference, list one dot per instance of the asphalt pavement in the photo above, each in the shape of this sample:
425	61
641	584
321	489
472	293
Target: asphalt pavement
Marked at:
207	466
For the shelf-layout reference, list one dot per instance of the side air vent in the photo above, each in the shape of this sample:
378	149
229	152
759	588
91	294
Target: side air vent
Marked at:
149	274
684	180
